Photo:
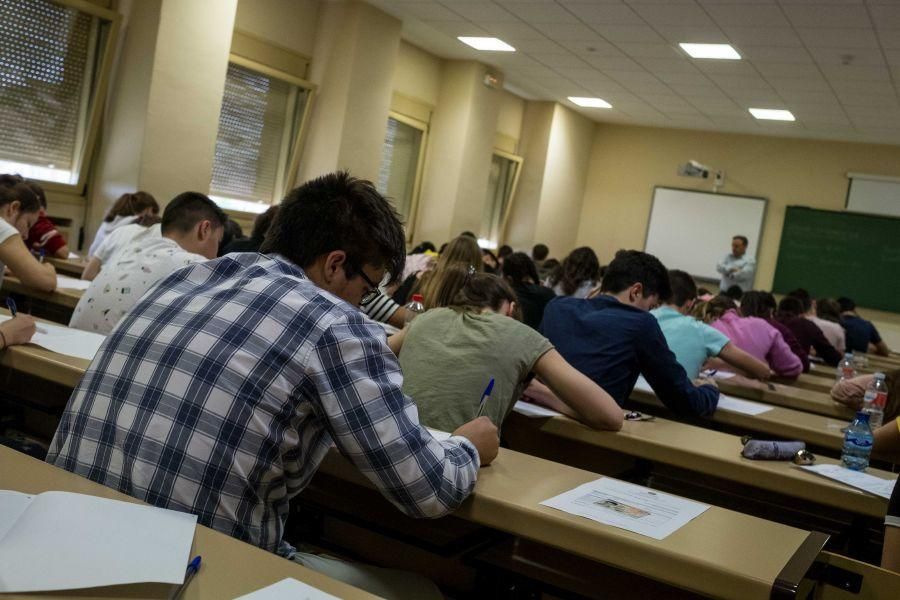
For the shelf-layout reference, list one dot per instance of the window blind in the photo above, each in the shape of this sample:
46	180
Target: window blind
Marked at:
250	150
399	161
43	69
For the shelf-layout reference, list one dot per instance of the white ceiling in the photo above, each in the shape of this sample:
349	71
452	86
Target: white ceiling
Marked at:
834	63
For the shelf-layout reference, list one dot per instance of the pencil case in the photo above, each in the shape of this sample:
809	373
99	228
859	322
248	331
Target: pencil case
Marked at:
769	450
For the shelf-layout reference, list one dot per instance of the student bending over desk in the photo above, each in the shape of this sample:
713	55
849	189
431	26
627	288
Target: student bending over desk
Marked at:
762	305
449	356
43	235
612	338
19	210
222	390
887	443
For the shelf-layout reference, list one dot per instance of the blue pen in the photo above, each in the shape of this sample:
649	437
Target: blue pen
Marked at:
485	396
192	569
11	305
42	253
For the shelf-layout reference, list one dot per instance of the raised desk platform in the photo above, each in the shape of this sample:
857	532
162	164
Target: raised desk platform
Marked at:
53	367
788	396
230	567
68	266
65	298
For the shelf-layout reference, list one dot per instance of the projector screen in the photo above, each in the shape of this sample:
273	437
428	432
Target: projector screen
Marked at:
874	195
692	231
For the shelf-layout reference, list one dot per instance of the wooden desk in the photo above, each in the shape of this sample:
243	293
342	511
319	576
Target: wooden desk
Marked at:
68	266
811	382
33	360
62	297
695	449
721	553
230	567
810	401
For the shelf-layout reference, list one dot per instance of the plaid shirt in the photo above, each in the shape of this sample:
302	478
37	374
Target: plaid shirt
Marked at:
221	391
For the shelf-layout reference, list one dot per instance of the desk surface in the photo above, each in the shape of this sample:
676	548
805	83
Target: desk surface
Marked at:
51	366
230	567
698	450
721	553
69	266
66	298
787	396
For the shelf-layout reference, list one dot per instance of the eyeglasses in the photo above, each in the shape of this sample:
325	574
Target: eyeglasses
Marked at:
373	291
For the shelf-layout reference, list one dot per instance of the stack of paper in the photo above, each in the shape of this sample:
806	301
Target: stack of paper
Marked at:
64	340
533	410
65	282
65	541
737	405
288	589
864	481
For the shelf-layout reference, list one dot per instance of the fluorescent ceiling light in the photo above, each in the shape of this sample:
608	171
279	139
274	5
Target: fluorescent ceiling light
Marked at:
590	102
487	43
720	51
772	114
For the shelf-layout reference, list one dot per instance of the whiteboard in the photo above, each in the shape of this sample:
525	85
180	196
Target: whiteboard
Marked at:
692	231
877	196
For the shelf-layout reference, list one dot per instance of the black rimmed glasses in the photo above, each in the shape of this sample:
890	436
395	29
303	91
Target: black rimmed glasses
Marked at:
373	290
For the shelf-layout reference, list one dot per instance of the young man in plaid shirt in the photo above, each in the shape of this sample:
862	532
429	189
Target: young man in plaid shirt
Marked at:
221	391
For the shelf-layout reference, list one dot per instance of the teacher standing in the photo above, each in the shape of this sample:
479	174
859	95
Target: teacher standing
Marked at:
737	268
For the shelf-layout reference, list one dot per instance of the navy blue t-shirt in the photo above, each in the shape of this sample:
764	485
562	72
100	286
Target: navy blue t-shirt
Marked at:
859	333
613	343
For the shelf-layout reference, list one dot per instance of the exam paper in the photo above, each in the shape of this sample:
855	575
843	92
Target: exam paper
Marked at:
73	256
70	283
863	481
288	589
65	340
66	541
530	409
642	384
715	374
627	506
737	405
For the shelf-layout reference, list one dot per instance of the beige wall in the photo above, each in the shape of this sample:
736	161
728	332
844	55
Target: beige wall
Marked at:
627	162
290	24
509	122
417	74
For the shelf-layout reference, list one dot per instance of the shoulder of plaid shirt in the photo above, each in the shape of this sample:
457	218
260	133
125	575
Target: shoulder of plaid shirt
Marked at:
221	391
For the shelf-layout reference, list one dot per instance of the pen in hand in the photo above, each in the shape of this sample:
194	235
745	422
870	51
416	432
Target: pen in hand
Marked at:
192	569
484	397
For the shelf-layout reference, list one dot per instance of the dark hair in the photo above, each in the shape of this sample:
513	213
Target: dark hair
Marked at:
579	266
131	204
734	292
423	248
488	267
232	232
743	239
485	290
468	234
519	269
39	192
338	212
756	304
633	266
14	188
846	304
828	309
803	296
148	220
262	223
683	287
551	263
540	252
504	251
789	307
189	208
703	291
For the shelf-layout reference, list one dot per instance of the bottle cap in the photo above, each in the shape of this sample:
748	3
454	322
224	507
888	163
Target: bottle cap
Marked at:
879	375
418	298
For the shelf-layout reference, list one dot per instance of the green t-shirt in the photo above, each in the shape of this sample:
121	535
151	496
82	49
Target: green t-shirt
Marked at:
449	356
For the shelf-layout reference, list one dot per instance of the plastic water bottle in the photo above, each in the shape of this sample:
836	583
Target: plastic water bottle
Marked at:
414	308
845	368
875	400
858	443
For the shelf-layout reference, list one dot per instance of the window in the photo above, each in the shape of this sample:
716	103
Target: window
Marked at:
54	62
502	182
401	166
260	130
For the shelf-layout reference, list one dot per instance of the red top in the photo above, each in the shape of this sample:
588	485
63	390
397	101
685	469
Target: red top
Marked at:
44	235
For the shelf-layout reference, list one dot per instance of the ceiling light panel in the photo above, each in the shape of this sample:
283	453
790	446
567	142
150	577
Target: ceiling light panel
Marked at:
590	102
490	44
772	114
715	51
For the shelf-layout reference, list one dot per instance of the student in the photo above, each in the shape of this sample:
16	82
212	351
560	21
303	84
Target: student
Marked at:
850	392
259	363
613	339
694	342
736	268
233	233
834	333
887	444
762	305
861	334
43	235
578	274
502	252
126	210
790	314
114	242
490	260
521	273
19	209
448	356
260	226
191	229
752	335
463	251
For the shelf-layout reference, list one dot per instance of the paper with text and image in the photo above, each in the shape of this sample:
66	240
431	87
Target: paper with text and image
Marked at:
530	409
863	481
65	340
64	282
627	506
288	589
66	541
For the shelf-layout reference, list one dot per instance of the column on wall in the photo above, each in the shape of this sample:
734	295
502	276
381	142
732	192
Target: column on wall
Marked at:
160	131
354	54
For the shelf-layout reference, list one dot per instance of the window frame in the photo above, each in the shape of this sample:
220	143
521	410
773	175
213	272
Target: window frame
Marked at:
89	130
504	219
423	127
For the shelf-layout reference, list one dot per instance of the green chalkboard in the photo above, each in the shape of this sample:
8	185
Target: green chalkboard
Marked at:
833	253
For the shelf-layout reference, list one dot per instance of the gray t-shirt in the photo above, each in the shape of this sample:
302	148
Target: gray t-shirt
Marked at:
449	356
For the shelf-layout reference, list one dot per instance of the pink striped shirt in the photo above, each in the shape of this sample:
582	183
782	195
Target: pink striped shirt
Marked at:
759	339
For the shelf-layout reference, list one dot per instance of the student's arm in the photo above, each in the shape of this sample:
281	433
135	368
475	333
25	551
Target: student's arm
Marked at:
887	441
92	269
588	400
62	252
395	342
14	254
17	330
784	362
882	349
721	267
744	362
385	310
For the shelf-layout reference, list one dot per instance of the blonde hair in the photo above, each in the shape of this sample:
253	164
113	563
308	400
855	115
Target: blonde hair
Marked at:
463	253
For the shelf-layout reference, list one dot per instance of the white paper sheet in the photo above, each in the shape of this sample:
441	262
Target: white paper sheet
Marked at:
628	506
863	481
288	589
715	374
65	541
738	405
530	409
643	385
65	282
65	340
73	256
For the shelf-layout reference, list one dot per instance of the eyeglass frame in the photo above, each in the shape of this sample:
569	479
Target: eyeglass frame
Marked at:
374	289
